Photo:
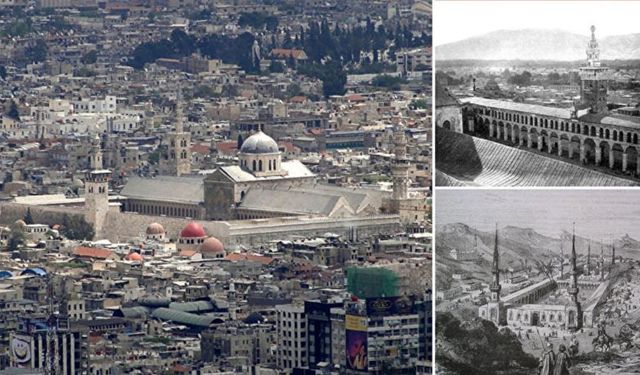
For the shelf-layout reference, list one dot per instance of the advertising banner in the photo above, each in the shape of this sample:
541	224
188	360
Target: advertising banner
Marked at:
356	343
21	350
387	306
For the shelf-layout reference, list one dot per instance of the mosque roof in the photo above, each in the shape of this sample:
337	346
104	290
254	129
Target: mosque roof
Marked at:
188	190
294	169
259	143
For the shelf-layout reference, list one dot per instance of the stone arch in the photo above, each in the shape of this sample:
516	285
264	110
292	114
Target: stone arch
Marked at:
628	137
606	133
563	145
533	138
589	151
621	136
593	131
515	134
544	141
585	130
632	159
500	130
635	138
554	142
604	152
617	152
575	147
614	135
446	124
524	136
601	133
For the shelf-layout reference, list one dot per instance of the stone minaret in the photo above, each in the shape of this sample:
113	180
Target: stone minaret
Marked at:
495	284
601	262
96	185
178	159
589	260
573	288
400	173
613	254
561	260
494	307
594	79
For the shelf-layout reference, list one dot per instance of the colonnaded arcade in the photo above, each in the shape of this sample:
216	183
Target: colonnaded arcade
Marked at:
587	132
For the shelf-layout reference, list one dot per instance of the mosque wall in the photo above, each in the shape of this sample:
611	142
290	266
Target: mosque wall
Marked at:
50	215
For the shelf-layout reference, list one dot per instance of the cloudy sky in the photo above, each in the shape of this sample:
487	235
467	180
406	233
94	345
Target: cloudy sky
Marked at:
458	20
599	214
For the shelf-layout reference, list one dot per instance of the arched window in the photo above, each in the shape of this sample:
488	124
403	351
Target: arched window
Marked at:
269	164
260	165
254	165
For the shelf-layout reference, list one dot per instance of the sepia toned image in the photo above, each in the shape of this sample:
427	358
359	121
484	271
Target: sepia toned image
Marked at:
537	281
524	102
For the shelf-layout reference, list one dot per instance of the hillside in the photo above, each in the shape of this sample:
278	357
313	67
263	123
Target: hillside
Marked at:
538	44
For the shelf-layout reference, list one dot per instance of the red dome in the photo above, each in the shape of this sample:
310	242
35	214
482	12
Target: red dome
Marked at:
212	245
135	257
193	230
155	229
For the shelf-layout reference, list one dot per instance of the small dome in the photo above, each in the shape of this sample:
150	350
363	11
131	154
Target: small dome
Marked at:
134	257
193	230
254	318
212	245
155	229
259	143
20	223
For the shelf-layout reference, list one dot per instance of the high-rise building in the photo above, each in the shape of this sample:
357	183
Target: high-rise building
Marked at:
51	345
384	334
291	335
319	330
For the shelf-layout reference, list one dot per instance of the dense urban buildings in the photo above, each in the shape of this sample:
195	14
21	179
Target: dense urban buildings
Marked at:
202	187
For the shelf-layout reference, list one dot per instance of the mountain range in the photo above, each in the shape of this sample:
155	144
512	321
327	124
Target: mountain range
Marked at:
538	44
518	247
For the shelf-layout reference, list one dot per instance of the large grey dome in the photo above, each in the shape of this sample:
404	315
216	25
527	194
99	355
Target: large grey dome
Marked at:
259	143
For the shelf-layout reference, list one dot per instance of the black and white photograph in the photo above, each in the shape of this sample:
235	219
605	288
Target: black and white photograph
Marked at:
537	282
537	93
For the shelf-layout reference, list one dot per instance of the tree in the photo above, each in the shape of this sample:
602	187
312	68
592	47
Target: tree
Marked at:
419	104
387	81
3	72
240	140
90	57
37	52
17	237
276	67
13	111
76	228
334	80
27	216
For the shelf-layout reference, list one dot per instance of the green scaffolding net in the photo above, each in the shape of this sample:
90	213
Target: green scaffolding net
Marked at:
371	282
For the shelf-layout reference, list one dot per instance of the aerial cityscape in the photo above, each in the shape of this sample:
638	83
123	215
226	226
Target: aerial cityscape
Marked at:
539	106
537	291
215	187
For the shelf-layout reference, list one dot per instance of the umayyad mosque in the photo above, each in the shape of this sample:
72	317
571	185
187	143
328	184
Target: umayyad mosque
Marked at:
587	132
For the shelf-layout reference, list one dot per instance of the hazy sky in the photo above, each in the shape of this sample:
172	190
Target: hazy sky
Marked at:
598	214
457	20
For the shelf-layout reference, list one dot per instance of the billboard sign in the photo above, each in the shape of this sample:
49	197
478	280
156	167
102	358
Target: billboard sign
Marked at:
387	306
356	343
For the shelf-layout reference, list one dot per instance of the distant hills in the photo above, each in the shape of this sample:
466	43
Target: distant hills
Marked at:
519	244
538	44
